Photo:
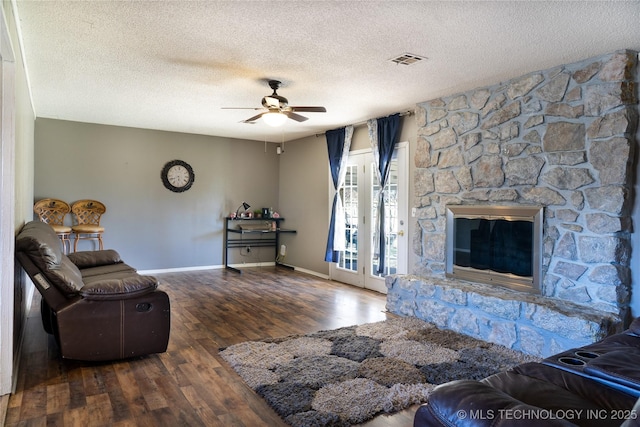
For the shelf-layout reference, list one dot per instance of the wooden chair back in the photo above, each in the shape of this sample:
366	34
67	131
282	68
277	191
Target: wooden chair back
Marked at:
88	212
51	211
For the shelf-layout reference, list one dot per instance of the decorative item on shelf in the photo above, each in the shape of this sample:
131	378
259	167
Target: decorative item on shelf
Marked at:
257	213
275	215
243	206
265	213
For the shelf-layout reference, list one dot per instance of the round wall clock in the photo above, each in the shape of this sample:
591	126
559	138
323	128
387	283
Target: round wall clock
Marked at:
177	176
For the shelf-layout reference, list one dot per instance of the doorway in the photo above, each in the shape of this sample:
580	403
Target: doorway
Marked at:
359	262
9	332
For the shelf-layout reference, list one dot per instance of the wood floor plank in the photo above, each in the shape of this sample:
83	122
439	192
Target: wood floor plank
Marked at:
34	403
130	390
119	403
190	384
78	397
58	398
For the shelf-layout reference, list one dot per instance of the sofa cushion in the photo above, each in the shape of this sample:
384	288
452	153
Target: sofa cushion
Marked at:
118	286
41	244
65	277
581	387
87	259
618	367
549	397
468	403
106	269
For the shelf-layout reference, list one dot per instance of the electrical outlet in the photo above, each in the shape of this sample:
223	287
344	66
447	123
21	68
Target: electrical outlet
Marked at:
413	212
283	250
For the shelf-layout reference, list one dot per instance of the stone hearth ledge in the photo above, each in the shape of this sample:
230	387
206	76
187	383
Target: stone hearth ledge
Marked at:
533	324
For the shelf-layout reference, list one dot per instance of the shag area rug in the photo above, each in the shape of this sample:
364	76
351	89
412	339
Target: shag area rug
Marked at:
349	375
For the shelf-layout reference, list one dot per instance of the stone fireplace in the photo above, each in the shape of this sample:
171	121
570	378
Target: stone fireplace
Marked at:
562	139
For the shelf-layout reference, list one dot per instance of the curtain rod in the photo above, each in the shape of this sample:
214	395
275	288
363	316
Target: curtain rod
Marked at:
406	113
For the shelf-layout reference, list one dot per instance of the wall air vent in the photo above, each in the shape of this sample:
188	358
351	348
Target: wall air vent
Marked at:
407	59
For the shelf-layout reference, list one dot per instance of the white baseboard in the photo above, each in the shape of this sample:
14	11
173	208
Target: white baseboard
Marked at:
181	269
313	273
218	267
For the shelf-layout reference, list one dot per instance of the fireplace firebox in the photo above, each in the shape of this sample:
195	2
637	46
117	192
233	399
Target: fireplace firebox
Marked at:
497	245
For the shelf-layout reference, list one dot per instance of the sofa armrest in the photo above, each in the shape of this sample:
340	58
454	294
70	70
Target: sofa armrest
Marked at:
114	329
119	288
471	403
88	259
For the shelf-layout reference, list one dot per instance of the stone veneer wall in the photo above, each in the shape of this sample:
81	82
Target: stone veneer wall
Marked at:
563	138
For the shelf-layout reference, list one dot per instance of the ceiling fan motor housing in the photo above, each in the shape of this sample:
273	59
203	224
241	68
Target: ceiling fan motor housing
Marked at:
275	101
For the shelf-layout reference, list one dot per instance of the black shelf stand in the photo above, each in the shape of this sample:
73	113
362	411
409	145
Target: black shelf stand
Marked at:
237	237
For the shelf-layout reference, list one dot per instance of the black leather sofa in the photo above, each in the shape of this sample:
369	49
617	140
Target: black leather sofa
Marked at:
97	307
593	386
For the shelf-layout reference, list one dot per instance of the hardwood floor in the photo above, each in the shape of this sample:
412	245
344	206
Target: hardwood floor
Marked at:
189	385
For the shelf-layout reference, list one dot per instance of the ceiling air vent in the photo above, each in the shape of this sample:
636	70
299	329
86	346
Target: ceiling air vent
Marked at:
407	59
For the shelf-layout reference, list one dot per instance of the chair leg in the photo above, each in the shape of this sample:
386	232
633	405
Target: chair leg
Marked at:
77	237
66	243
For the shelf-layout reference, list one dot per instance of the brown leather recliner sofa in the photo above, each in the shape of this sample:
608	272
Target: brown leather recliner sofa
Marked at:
97	307
595	385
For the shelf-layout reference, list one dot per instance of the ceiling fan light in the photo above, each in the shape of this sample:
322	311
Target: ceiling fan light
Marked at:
274	119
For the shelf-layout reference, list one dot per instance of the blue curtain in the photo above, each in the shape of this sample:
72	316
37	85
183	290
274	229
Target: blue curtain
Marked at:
338	145
383	134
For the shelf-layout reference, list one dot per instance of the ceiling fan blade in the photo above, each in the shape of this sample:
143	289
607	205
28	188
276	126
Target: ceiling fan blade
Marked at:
310	109
241	108
296	117
256	117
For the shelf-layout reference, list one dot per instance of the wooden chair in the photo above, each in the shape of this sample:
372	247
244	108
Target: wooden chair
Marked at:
53	212
87	214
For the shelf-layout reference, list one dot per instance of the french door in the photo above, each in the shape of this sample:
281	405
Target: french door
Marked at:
360	261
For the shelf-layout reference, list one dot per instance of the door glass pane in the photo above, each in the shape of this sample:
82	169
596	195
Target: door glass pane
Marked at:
349	192
391	221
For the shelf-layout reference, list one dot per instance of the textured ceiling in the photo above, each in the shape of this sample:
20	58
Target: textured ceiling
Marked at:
173	65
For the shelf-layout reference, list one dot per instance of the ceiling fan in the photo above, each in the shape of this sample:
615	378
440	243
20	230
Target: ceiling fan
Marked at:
277	108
